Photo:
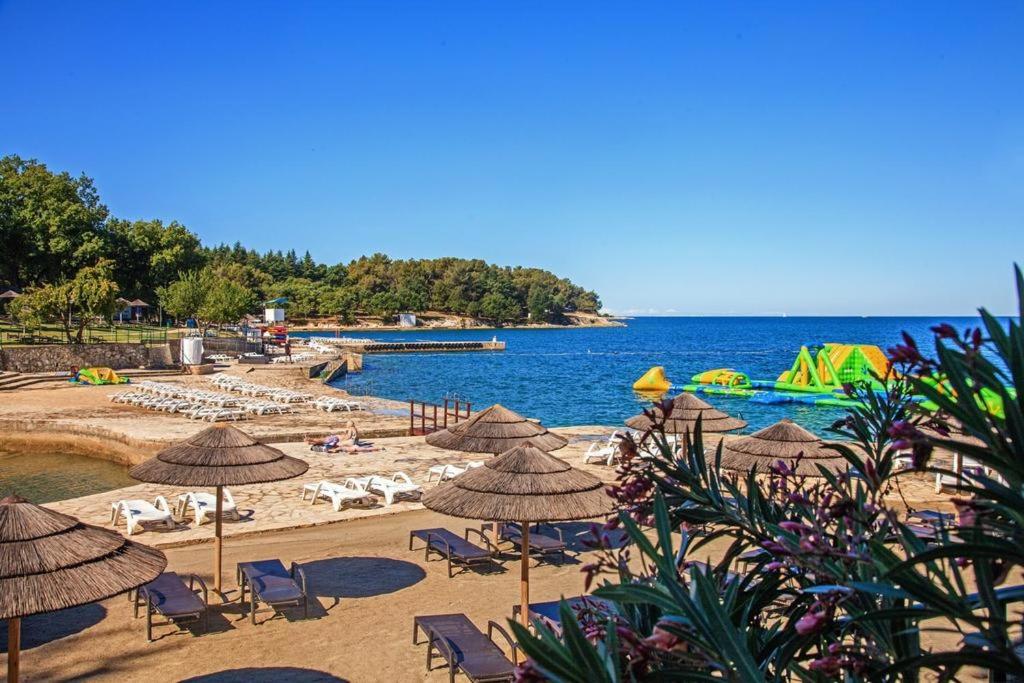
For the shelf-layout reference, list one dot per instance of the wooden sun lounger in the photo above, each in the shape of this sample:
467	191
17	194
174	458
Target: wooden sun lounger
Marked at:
270	583
456	550
541	546
168	596
465	648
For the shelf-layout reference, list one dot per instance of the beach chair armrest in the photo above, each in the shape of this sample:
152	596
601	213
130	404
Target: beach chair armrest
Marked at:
483	537
297	571
444	648
401	477
447	548
493	626
193	579
161	504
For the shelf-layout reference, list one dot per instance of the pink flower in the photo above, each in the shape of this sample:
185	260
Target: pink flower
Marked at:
815	620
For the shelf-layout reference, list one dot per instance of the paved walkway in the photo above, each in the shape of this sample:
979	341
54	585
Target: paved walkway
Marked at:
278	505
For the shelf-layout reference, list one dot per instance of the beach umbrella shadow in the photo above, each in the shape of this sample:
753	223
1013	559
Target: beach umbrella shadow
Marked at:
40	629
267	675
360	577
578	535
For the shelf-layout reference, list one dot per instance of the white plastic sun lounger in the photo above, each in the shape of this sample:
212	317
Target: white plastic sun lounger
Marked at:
350	493
607	453
204	505
136	512
961	464
398	485
449	471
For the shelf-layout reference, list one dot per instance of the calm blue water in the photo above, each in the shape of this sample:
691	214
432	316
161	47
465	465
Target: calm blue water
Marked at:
584	376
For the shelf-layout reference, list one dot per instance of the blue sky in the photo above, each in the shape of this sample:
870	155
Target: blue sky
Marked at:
684	158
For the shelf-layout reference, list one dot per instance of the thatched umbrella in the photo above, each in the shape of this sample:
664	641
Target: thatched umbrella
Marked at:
784	440
526	485
218	456
50	561
495	430
682	417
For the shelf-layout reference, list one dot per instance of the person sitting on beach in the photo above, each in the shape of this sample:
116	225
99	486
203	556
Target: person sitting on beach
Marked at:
326	442
345	441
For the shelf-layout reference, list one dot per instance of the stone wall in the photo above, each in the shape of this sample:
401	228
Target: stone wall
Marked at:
63	357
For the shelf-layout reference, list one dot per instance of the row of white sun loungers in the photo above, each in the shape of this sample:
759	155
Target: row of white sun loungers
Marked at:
329	404
355	491
240	386
360	490
196	403
135	511
294	358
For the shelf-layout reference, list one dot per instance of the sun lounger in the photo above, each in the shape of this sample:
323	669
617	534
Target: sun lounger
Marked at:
961	464
267	581
204	505
541	546
608	453
168	596
398	485
338	494
456	550
549	615
465	648
137	512
445	472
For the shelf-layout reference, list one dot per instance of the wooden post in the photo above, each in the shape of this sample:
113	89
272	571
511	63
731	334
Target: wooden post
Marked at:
524	577
446	413
13	648
433	427
412	419
217	540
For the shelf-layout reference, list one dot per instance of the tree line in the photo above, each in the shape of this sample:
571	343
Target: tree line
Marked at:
72	260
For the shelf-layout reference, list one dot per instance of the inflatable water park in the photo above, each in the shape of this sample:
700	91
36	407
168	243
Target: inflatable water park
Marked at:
816	377
97	377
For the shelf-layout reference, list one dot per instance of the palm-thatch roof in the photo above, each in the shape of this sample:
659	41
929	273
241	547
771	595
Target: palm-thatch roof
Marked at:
495	430
50	561
218	456
683	414
524	484
784	440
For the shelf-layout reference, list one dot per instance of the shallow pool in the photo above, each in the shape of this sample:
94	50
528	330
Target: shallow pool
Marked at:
43	477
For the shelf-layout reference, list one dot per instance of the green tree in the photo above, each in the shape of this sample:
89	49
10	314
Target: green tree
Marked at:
149	255
185	296
500	308
225	302
51	224
91	294
384	304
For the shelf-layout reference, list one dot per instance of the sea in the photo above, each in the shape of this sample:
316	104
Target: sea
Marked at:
584	376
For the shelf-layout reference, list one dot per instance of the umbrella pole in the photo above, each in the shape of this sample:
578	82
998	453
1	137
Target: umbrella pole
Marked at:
13	648
524	577
217	539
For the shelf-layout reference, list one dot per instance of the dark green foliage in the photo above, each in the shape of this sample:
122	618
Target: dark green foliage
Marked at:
51	225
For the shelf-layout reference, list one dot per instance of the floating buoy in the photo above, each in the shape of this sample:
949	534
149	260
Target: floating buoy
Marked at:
654	380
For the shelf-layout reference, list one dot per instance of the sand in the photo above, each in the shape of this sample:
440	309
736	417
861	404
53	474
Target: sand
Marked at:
368	587
368	584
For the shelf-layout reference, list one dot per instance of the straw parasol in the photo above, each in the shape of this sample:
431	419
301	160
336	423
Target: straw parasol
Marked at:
50	561
218	456
784	440
527	485
685	410
495	430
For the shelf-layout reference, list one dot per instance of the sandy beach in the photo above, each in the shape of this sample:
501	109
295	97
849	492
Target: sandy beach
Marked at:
368	584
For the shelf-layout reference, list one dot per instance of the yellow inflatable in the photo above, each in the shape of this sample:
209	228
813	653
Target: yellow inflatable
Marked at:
654	380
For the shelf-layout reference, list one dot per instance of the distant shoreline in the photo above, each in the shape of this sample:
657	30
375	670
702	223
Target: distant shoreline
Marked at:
446	323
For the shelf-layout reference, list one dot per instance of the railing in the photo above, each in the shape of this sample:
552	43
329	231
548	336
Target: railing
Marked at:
13	334
433	417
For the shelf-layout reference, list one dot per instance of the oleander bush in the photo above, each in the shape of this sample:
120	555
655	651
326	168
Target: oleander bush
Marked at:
819	578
